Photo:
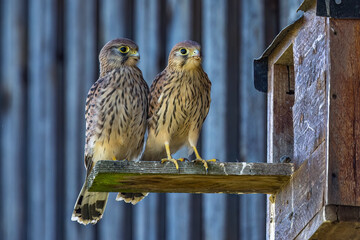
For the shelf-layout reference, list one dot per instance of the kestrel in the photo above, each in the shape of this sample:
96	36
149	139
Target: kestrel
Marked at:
179	102
115	112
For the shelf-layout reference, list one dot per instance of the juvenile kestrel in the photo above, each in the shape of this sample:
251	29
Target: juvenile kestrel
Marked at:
179	102
115	113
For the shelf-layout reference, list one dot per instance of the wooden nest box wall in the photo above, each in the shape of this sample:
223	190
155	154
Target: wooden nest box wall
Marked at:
311	74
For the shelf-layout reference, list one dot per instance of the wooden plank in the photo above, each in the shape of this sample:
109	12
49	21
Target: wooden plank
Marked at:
281	82
288	11
333	222
36	111
233	45
13	120
178	28
214	129
344	115
80	72
252	122
148	215
147	36
303	197
42	120
310	107
60	123
191	177
300	200
114	22
271	15
145	215
195	206
283	95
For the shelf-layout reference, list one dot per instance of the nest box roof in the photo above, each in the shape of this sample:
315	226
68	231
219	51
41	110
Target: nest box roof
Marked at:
343	9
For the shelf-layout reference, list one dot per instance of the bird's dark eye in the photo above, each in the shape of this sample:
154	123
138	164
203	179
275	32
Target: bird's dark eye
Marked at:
124	49
183	51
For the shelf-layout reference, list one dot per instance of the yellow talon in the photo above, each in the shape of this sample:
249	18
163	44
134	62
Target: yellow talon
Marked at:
114	158
169	157
199	159
171	160
211	160
203	162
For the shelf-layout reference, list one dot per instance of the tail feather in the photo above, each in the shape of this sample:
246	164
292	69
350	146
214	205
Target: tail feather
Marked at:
132	198
89	206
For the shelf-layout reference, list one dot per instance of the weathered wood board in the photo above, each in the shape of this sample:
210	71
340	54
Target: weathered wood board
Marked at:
222	177
333	222
283	137
344	112
321	201
302	198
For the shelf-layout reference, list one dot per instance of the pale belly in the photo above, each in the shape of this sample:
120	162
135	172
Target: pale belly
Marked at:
126	143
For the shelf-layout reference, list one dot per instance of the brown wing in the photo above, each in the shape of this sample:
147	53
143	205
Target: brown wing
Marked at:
155	93
206	96
90	119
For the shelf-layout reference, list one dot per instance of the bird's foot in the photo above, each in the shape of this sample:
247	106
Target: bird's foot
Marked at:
181	159
114	158
204	162
174	161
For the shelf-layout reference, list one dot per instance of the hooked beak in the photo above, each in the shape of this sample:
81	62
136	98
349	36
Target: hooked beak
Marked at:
195	54
135	54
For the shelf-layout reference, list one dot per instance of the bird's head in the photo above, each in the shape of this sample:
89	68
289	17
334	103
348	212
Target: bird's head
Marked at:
119	52
185	55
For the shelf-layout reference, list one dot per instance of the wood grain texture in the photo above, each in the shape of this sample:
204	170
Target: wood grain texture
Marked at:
288	11
115	21
279	104
283	130
302	197
178	28
227	177
149	216
49	52
344	115
214	128
310	108
333	222
43	124
252	116
80	72
13	119
213	27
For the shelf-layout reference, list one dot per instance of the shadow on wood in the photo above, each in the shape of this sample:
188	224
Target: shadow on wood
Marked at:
222	177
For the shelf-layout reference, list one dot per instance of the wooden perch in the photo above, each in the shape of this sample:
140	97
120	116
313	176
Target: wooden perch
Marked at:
222	177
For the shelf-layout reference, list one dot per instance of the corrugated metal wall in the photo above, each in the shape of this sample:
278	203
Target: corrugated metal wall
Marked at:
48	62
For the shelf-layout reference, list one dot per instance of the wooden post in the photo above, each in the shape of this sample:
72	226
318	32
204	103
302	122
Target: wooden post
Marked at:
344	112
80	72
252	122
214	138
178	28
115	21
13	119
42	103
317	127
148	220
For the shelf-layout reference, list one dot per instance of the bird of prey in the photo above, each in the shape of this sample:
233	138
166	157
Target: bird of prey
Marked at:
179	102
116	113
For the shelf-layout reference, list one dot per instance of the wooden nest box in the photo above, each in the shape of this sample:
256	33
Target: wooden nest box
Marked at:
311	74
